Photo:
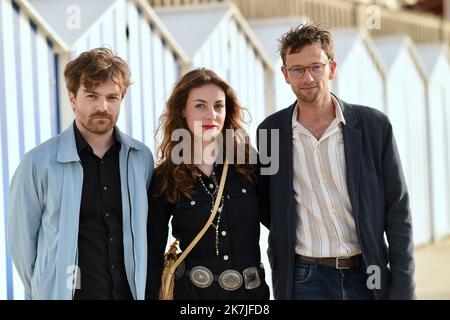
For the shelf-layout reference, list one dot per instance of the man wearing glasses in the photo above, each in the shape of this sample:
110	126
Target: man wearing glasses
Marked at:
339	190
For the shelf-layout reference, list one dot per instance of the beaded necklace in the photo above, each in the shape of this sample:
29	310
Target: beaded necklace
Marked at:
213	199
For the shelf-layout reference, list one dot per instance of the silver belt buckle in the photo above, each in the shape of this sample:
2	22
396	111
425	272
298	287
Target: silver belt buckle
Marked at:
230	280
337	264
251	278
201	276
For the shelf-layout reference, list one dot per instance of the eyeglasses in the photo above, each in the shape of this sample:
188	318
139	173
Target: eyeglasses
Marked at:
315	69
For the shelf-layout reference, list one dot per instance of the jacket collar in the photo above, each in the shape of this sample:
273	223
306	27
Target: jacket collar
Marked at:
350	118
67	147
286	120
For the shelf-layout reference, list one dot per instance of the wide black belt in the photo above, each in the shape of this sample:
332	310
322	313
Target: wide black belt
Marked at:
229	280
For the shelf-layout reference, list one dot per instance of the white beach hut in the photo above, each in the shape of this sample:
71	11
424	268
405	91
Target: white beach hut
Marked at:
360	73
435	57
406	106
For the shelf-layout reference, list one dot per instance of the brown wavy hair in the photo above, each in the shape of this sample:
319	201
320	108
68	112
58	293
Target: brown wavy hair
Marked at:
179	179
94	67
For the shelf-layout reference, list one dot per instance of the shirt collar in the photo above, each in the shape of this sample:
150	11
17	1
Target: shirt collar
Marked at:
337	109
79	139
83	145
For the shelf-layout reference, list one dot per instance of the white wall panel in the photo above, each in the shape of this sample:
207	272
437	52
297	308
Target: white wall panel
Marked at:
406	108
3	150
29	120
435	58
147	78
45	111
357	78
134	108
439	160
158	83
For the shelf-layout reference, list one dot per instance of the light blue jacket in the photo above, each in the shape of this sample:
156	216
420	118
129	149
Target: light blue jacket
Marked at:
44	210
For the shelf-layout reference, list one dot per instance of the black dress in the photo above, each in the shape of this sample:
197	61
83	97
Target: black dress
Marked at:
237	245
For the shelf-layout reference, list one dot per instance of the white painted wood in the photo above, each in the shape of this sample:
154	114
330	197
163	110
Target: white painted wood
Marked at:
406	107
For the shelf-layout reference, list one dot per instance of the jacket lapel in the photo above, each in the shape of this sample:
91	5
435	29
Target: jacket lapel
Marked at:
285	178
352	147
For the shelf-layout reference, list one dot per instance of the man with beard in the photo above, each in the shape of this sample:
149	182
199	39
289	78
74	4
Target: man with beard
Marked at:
340	188
78	202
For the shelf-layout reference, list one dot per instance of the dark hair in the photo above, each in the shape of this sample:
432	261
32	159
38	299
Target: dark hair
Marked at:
305	34
180	178
94	67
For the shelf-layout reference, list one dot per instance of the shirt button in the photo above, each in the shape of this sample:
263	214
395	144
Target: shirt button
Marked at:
192	203
107	214
101	161
244	190
113	266
105	188
211	186
225	257
224	233
111	239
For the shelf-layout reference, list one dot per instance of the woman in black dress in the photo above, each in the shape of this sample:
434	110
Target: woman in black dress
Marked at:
225	263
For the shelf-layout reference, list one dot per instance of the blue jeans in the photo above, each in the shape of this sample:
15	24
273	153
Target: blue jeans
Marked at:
314	282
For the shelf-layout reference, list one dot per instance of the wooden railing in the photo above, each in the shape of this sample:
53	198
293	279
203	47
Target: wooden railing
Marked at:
330	13
445	31
421	27
178	2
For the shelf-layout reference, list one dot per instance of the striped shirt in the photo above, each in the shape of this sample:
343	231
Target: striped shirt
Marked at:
325	224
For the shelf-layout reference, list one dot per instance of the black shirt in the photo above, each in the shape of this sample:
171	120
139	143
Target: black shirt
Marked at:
100	244
238	236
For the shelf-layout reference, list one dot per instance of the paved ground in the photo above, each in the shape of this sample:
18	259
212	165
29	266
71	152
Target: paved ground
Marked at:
433	271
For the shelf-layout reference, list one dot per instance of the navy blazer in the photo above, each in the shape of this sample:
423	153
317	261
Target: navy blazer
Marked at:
378	194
